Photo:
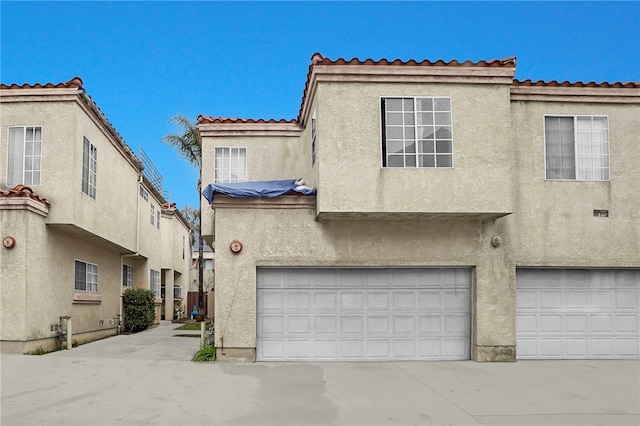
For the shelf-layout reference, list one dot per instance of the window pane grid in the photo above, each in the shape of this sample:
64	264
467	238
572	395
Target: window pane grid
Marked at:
89	168
417	132
24	155
230	164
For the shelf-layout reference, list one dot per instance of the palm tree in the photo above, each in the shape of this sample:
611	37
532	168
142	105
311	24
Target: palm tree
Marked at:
188	145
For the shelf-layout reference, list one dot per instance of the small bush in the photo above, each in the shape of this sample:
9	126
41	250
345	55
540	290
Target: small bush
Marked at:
206	353
38	351
139	309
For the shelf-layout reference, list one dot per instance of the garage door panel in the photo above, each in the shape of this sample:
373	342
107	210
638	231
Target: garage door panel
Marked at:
429	299
628	348
351	300
364	314
378	324
351	324
627	300
404	301
325	300
430	324
598	310
627	323
379	301
325	324
456	325
271	325
457	299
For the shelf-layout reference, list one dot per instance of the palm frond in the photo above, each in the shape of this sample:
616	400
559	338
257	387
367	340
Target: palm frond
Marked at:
187	144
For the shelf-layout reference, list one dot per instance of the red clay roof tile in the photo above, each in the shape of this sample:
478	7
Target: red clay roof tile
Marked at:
203	119
554	83
75	82
23	191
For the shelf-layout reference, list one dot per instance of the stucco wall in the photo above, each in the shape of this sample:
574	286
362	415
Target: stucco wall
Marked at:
555	225
351	177
279	237
38	280
111	215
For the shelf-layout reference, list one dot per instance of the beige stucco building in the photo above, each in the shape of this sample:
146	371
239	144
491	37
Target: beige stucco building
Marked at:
80	221
460	214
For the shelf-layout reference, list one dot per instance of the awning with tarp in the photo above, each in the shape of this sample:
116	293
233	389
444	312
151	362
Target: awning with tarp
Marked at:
258	189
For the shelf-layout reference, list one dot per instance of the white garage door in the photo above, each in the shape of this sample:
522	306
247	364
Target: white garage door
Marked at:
363	314
578	313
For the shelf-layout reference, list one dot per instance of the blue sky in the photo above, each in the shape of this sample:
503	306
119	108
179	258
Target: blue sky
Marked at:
143	62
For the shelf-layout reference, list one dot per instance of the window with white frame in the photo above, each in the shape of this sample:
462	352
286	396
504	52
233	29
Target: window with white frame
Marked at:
144	194
154	281
153	214
577	147
230	164
158	219
86	276
314	138
127	275
177	291
183	246
89	167
416	132
24	155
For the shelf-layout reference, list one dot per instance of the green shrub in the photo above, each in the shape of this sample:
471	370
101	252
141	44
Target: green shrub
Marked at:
139	309
38	351
206	353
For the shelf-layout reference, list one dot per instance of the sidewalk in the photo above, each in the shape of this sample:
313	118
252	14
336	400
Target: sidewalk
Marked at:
148	379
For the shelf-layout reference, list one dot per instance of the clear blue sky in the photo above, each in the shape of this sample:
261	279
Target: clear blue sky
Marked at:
143	62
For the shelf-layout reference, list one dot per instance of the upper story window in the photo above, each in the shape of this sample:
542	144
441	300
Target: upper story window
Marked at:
154	282
153	214
89	166
314	138
86	276
127	275
158	219
24	155
230	164
577	147
144	194
416	132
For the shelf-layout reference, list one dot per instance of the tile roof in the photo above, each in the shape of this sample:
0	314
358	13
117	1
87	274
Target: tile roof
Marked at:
554	83
23	191
510	62
75	82
203	119
318	59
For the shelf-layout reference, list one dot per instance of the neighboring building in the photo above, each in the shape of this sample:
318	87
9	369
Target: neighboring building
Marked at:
81	220
460	214
207	278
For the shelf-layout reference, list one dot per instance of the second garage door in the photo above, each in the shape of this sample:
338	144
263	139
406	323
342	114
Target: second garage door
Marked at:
363	314
578	313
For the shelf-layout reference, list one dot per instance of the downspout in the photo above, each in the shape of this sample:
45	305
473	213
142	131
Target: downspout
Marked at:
137	253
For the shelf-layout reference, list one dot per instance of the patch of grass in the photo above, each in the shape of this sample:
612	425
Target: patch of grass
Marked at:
205	354
38	351
186	335
193	326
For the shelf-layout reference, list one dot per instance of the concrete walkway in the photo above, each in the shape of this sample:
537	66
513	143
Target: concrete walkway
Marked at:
148	379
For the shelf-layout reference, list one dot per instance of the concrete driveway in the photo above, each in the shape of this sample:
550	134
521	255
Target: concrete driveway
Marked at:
148	379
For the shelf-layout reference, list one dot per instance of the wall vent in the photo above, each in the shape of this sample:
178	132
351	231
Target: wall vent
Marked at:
601	213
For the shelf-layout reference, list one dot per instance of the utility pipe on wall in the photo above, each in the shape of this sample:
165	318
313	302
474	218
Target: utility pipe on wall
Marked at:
69	334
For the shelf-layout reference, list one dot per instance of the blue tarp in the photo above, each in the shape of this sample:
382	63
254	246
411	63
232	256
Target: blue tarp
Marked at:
265	189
